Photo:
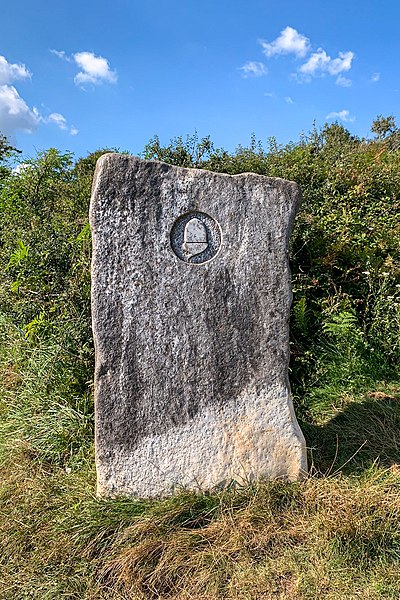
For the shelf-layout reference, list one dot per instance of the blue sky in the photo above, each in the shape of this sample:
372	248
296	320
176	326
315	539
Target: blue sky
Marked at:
84	75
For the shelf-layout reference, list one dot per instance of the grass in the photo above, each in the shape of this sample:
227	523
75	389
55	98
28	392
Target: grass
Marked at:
42	399
329	537
335	536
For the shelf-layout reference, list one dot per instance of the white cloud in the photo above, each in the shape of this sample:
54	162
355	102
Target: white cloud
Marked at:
289	41
317	64
342	63
254	69
375	77
289	100
321	63
343	115
61	54
270	94
58	120
318	61
94	69
15	114
10	72
343	81
61	122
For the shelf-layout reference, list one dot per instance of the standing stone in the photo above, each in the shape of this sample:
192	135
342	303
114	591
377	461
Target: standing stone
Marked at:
190	297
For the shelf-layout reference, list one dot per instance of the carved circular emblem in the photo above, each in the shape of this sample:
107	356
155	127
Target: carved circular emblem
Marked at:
196	237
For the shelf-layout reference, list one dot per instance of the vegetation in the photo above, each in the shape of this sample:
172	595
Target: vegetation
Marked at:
334	536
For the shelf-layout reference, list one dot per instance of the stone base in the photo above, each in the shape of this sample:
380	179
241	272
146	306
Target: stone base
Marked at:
253	437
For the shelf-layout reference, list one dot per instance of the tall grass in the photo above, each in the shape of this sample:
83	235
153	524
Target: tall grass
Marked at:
331	537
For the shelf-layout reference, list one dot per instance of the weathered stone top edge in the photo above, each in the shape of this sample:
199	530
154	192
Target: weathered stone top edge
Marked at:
114	156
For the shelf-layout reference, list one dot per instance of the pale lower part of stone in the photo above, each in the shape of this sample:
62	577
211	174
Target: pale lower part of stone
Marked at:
256	436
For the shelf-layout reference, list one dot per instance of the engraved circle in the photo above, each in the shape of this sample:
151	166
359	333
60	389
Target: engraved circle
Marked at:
195	237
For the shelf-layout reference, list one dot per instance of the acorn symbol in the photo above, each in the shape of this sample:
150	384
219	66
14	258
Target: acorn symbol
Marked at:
194	237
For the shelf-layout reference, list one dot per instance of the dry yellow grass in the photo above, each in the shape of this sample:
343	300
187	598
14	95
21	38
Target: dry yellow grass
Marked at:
330	537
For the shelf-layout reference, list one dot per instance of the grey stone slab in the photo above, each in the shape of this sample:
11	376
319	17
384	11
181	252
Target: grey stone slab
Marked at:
192	343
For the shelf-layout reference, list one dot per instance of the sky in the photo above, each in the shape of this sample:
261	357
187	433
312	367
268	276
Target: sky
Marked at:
84	75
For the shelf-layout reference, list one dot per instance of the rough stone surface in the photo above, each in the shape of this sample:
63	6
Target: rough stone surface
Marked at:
192	349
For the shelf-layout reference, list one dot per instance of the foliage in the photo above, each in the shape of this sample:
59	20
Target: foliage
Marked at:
45	305
192	152
7	153
334	536
383	126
